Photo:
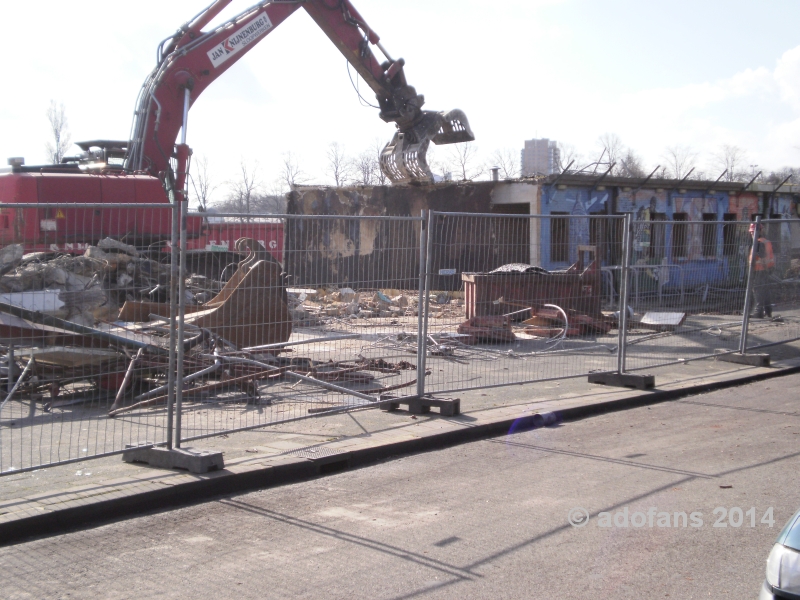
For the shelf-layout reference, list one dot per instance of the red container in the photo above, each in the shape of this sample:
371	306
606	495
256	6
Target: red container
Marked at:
503	292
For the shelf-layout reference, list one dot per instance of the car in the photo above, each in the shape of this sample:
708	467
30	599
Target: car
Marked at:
783	564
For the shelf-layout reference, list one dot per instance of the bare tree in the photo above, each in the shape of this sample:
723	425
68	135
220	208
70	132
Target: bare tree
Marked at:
630	164
567	153
439	163
62	140
243	190
612	149
290	172
777	176
680	160
464	158
732	160
203	184
508	161
269	203
366	167
340	167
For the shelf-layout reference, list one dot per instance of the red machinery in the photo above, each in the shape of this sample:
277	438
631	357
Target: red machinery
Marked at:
152	168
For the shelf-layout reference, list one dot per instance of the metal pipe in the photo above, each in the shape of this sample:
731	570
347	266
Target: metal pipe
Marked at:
422	340
186	102
126	380
276	218
181	301
318	382
67	205
749	291
385	53
22	376
351	336
424	307
623	311
43	319
173	316
156	391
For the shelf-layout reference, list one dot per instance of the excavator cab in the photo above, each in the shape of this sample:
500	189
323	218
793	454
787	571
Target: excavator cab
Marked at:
404	158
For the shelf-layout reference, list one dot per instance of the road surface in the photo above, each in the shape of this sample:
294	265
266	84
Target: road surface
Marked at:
483	520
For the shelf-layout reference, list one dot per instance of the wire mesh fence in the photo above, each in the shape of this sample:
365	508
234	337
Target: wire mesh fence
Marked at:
325	322
67	270
496	316
687	289
775	300
113	315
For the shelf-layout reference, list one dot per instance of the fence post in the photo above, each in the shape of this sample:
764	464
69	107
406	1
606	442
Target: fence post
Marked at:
749	291
173	297
624	292
424	306
620	377
181	323
421	338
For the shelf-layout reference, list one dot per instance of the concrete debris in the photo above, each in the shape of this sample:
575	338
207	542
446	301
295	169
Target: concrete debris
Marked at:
10	257
110	244
309	308
400	301
89	288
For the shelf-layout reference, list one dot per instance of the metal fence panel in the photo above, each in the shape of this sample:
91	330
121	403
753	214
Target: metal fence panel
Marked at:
325	321
775	314
67	269
520	298
687	289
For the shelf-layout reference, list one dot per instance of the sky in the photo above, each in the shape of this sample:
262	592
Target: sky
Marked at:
699	73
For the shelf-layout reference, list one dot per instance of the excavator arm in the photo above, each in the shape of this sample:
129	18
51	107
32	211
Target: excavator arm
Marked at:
192	59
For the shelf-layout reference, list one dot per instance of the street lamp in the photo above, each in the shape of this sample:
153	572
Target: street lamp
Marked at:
753	173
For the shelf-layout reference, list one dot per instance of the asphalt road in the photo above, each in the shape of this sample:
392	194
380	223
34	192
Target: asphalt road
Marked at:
483	520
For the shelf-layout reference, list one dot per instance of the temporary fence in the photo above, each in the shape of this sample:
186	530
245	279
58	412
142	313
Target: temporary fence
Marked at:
66	269
493	319
126	325
687	288
333	328
775	285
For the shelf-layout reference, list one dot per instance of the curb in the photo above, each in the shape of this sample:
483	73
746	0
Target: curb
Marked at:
282	470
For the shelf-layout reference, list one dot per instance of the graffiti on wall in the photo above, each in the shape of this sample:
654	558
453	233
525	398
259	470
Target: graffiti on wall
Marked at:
580	203
694	209
744	206
644	205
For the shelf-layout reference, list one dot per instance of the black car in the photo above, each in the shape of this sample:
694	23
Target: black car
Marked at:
783	564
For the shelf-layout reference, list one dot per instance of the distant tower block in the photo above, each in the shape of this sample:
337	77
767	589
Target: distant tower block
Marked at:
540	157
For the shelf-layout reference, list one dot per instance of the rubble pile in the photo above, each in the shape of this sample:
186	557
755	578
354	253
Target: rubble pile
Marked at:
314	307
81	289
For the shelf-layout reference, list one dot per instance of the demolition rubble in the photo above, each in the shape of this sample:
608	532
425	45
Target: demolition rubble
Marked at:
94	329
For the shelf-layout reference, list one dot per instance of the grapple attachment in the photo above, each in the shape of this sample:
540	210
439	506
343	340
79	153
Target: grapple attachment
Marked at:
403	159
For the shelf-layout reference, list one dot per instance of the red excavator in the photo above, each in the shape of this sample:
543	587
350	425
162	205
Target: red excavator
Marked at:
151	168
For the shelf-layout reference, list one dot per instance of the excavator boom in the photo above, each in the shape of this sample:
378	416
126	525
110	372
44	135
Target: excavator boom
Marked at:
192	59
